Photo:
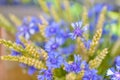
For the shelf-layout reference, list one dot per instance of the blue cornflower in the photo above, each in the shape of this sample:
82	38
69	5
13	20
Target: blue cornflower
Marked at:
74	66
114	72
64	33
45	75
53	44
28	28
91	74
78	30
55	60
52	30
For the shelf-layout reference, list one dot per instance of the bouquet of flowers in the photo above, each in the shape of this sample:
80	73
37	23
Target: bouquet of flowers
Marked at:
68	41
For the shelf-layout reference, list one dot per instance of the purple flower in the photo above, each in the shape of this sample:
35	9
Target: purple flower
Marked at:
52	30
74	66
28	28
53	44
64	34
54	60
114	73
78	30
45	75
91	75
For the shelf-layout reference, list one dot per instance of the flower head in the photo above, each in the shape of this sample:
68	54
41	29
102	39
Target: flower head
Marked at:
54	60
64	33
91	74
28	28
74	66
53	44
78	30
114	72
52	29
45	75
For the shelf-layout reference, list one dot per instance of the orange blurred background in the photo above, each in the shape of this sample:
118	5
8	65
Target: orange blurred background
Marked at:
12	70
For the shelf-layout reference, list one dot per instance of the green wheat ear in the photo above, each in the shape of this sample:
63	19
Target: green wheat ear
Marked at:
34	51
11	45
42	27
85	16
80	75
67	10
15	19
81	49
98	33
6	24
26	60
30	55
95	63
14	46
71	76
28	51
43	5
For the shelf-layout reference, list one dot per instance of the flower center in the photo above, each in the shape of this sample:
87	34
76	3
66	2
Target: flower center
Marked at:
53	61
52	30
117	75
48	73
24	29
78	31
74	66
54	46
